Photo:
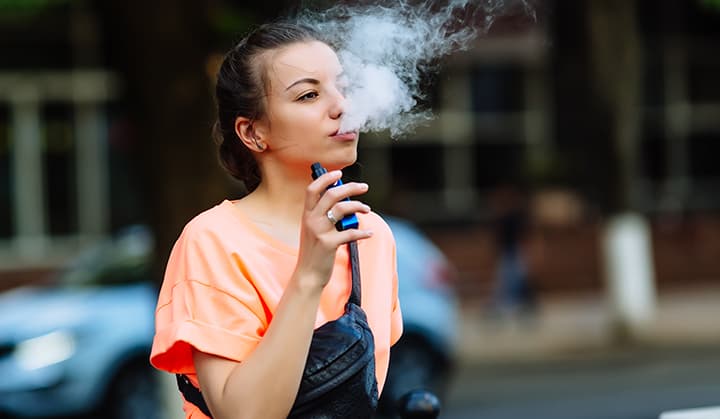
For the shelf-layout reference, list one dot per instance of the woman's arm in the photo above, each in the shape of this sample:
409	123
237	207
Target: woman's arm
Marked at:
265	384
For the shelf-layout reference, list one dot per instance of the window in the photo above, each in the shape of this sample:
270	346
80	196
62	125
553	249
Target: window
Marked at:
418	167
5	173
59	169
498	163
53	163
702	79
497	88
704	149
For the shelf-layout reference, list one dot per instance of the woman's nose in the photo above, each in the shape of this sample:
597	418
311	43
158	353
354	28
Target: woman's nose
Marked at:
338	106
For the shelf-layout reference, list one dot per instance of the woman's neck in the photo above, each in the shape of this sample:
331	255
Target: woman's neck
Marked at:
276	206
283	199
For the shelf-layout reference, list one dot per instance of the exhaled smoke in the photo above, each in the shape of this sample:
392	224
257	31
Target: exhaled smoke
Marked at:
386	50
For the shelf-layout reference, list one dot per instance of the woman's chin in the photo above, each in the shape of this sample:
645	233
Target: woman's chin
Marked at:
341	162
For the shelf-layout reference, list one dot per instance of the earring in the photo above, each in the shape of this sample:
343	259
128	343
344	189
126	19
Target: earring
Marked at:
261	147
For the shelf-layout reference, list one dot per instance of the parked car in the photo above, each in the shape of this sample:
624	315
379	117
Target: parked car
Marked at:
423	357
82	347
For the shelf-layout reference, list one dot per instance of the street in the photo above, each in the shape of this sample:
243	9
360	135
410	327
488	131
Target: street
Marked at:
635	383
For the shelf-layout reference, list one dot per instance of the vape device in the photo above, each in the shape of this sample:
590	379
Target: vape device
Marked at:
349	221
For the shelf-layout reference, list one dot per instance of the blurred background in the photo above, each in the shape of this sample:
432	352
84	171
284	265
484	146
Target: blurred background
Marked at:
561	213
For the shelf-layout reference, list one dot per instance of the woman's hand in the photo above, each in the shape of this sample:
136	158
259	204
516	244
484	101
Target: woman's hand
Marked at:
319	239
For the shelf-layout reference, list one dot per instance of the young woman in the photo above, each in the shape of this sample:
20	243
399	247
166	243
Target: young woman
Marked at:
249	280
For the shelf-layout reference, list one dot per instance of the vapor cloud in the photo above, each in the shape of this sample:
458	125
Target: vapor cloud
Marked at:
386	49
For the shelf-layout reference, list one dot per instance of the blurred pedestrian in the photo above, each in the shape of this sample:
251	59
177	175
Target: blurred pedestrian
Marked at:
512	291
249	280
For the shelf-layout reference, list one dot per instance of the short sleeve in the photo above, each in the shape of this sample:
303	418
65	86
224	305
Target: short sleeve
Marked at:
396	322
206	302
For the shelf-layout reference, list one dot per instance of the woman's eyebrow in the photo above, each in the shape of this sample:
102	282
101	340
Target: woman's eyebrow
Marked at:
305	80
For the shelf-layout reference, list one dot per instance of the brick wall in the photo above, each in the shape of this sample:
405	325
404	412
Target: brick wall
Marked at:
568	259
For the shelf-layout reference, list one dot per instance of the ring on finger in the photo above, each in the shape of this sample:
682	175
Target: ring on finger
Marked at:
331	216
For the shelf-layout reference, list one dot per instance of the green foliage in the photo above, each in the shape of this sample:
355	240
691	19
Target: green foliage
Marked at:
711	4
229	22
28	6
22	9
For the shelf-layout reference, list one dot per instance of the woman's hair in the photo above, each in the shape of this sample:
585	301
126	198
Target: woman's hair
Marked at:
241	90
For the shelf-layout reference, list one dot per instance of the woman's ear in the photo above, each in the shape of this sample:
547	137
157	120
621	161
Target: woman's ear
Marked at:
245	131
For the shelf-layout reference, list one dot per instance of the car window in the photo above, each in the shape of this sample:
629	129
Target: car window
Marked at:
123	258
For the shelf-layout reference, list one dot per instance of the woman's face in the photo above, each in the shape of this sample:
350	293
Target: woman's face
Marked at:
304	107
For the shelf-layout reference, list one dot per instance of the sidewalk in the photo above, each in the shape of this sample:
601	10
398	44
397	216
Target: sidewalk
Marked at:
573	324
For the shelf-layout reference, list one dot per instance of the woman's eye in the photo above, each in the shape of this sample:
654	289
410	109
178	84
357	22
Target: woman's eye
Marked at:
308	96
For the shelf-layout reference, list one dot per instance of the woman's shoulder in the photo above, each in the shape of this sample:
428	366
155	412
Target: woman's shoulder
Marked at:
218	219
375	222
371	219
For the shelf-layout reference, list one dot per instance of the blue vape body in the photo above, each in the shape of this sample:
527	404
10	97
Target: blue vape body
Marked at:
349	221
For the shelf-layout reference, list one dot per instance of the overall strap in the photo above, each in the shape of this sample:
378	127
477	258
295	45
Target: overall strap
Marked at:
355	295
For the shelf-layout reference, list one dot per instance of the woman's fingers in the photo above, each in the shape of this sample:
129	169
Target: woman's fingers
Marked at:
318	187
351	234
344	208
339	193
321	196
332	237
324	206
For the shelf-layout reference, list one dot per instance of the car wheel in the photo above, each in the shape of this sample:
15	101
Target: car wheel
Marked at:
413	365
134	394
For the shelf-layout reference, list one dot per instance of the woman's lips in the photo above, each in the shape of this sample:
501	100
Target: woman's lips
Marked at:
344	136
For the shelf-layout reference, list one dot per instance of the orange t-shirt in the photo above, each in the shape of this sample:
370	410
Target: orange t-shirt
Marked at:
225	277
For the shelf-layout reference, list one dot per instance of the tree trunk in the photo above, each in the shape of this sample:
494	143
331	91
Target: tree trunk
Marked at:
616	72
161	49
616	65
